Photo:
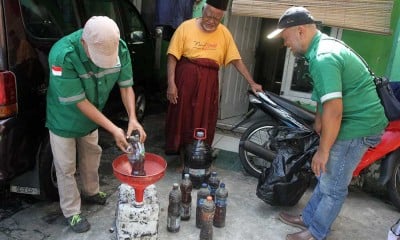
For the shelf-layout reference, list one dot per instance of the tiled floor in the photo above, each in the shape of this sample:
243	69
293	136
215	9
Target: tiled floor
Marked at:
226	138
226	142
226	145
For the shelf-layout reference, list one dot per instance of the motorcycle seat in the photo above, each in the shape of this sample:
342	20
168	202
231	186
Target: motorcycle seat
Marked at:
301	112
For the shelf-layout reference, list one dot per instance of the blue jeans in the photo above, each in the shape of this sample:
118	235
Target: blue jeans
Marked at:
332	188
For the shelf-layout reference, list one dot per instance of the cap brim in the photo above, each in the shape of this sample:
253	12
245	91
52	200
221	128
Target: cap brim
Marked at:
275	33
103	61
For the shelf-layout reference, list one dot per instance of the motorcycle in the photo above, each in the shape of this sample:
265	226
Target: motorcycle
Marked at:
256	151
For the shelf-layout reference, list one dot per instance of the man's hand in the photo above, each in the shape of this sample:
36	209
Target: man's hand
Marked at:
255	87
120	139
172	93
319	161
135	125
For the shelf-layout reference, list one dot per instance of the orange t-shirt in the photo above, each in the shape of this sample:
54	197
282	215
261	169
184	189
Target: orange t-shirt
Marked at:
191	42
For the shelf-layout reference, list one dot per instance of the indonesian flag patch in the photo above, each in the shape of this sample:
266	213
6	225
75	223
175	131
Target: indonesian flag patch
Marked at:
56	70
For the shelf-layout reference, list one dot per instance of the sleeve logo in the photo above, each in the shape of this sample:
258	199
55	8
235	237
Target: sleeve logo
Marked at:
56	70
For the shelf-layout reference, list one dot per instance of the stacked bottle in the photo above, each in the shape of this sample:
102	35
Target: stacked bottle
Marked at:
198	159
186	190
207	215
221	197
213	184
135	154
202	194
174	209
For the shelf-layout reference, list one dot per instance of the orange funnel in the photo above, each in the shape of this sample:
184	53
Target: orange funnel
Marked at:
154	165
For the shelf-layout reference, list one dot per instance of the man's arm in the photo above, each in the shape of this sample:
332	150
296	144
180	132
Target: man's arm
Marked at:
239	65
128	99
317	121
172	90
90	111
331	119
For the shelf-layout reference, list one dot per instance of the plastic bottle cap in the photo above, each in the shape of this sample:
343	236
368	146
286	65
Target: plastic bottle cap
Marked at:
204	185
186	175
200	134
209	198
222	185
175	185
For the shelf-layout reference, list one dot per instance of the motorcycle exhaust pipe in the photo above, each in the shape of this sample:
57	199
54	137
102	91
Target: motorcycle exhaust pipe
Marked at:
258	150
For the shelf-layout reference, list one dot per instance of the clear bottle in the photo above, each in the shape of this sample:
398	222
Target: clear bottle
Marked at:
213	183
394	231
174	209
207	215
136	153
221	197
202	194
186	190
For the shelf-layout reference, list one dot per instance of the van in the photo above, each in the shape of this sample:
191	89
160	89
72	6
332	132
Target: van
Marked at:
28	29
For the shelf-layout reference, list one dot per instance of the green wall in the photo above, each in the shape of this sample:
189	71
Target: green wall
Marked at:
393	70
382	52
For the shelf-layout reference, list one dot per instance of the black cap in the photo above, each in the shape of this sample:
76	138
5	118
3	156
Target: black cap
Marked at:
293	16
220	4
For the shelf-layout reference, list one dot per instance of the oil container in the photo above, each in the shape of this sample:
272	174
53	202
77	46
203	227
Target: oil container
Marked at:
198	158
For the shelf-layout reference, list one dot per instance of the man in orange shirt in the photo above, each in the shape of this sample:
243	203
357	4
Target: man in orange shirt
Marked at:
198	48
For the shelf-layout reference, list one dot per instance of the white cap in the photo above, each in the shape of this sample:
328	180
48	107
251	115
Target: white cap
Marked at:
101	35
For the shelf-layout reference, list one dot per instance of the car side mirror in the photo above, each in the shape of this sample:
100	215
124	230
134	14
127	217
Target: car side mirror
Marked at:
137	37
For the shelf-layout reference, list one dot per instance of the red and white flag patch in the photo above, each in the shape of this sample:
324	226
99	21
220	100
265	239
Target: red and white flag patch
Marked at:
56	70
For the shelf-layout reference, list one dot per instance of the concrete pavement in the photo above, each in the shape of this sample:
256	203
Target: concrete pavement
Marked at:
363	216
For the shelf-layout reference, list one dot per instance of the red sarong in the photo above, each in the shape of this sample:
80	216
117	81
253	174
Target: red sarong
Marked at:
197	106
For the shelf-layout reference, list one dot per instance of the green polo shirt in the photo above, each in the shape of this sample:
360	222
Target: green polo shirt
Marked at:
338	73
73	78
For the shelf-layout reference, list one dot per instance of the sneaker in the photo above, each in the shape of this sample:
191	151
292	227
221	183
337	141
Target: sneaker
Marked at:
100	198
78	224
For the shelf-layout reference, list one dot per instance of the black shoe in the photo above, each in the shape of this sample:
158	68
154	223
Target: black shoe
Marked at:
100	198
78	223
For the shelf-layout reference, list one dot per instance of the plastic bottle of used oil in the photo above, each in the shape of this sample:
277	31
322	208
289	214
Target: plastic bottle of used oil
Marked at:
207	215
174	209
198	159
136	154
186	190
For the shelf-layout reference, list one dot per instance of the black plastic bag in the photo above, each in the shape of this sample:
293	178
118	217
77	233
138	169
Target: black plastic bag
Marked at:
284	183
388	98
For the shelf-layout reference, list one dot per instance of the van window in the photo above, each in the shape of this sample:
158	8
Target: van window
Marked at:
134	25
100	8
49	18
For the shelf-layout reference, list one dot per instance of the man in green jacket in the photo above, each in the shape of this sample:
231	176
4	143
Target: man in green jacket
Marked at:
84	67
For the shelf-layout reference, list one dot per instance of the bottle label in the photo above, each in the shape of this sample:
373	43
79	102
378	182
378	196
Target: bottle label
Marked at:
186	210
200	201
197	172
220	202
173	222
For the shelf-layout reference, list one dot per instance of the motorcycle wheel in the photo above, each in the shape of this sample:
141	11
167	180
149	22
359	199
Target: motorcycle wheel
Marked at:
393	186
259	133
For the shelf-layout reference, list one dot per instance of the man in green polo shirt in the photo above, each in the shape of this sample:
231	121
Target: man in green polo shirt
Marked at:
349	118
84	67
